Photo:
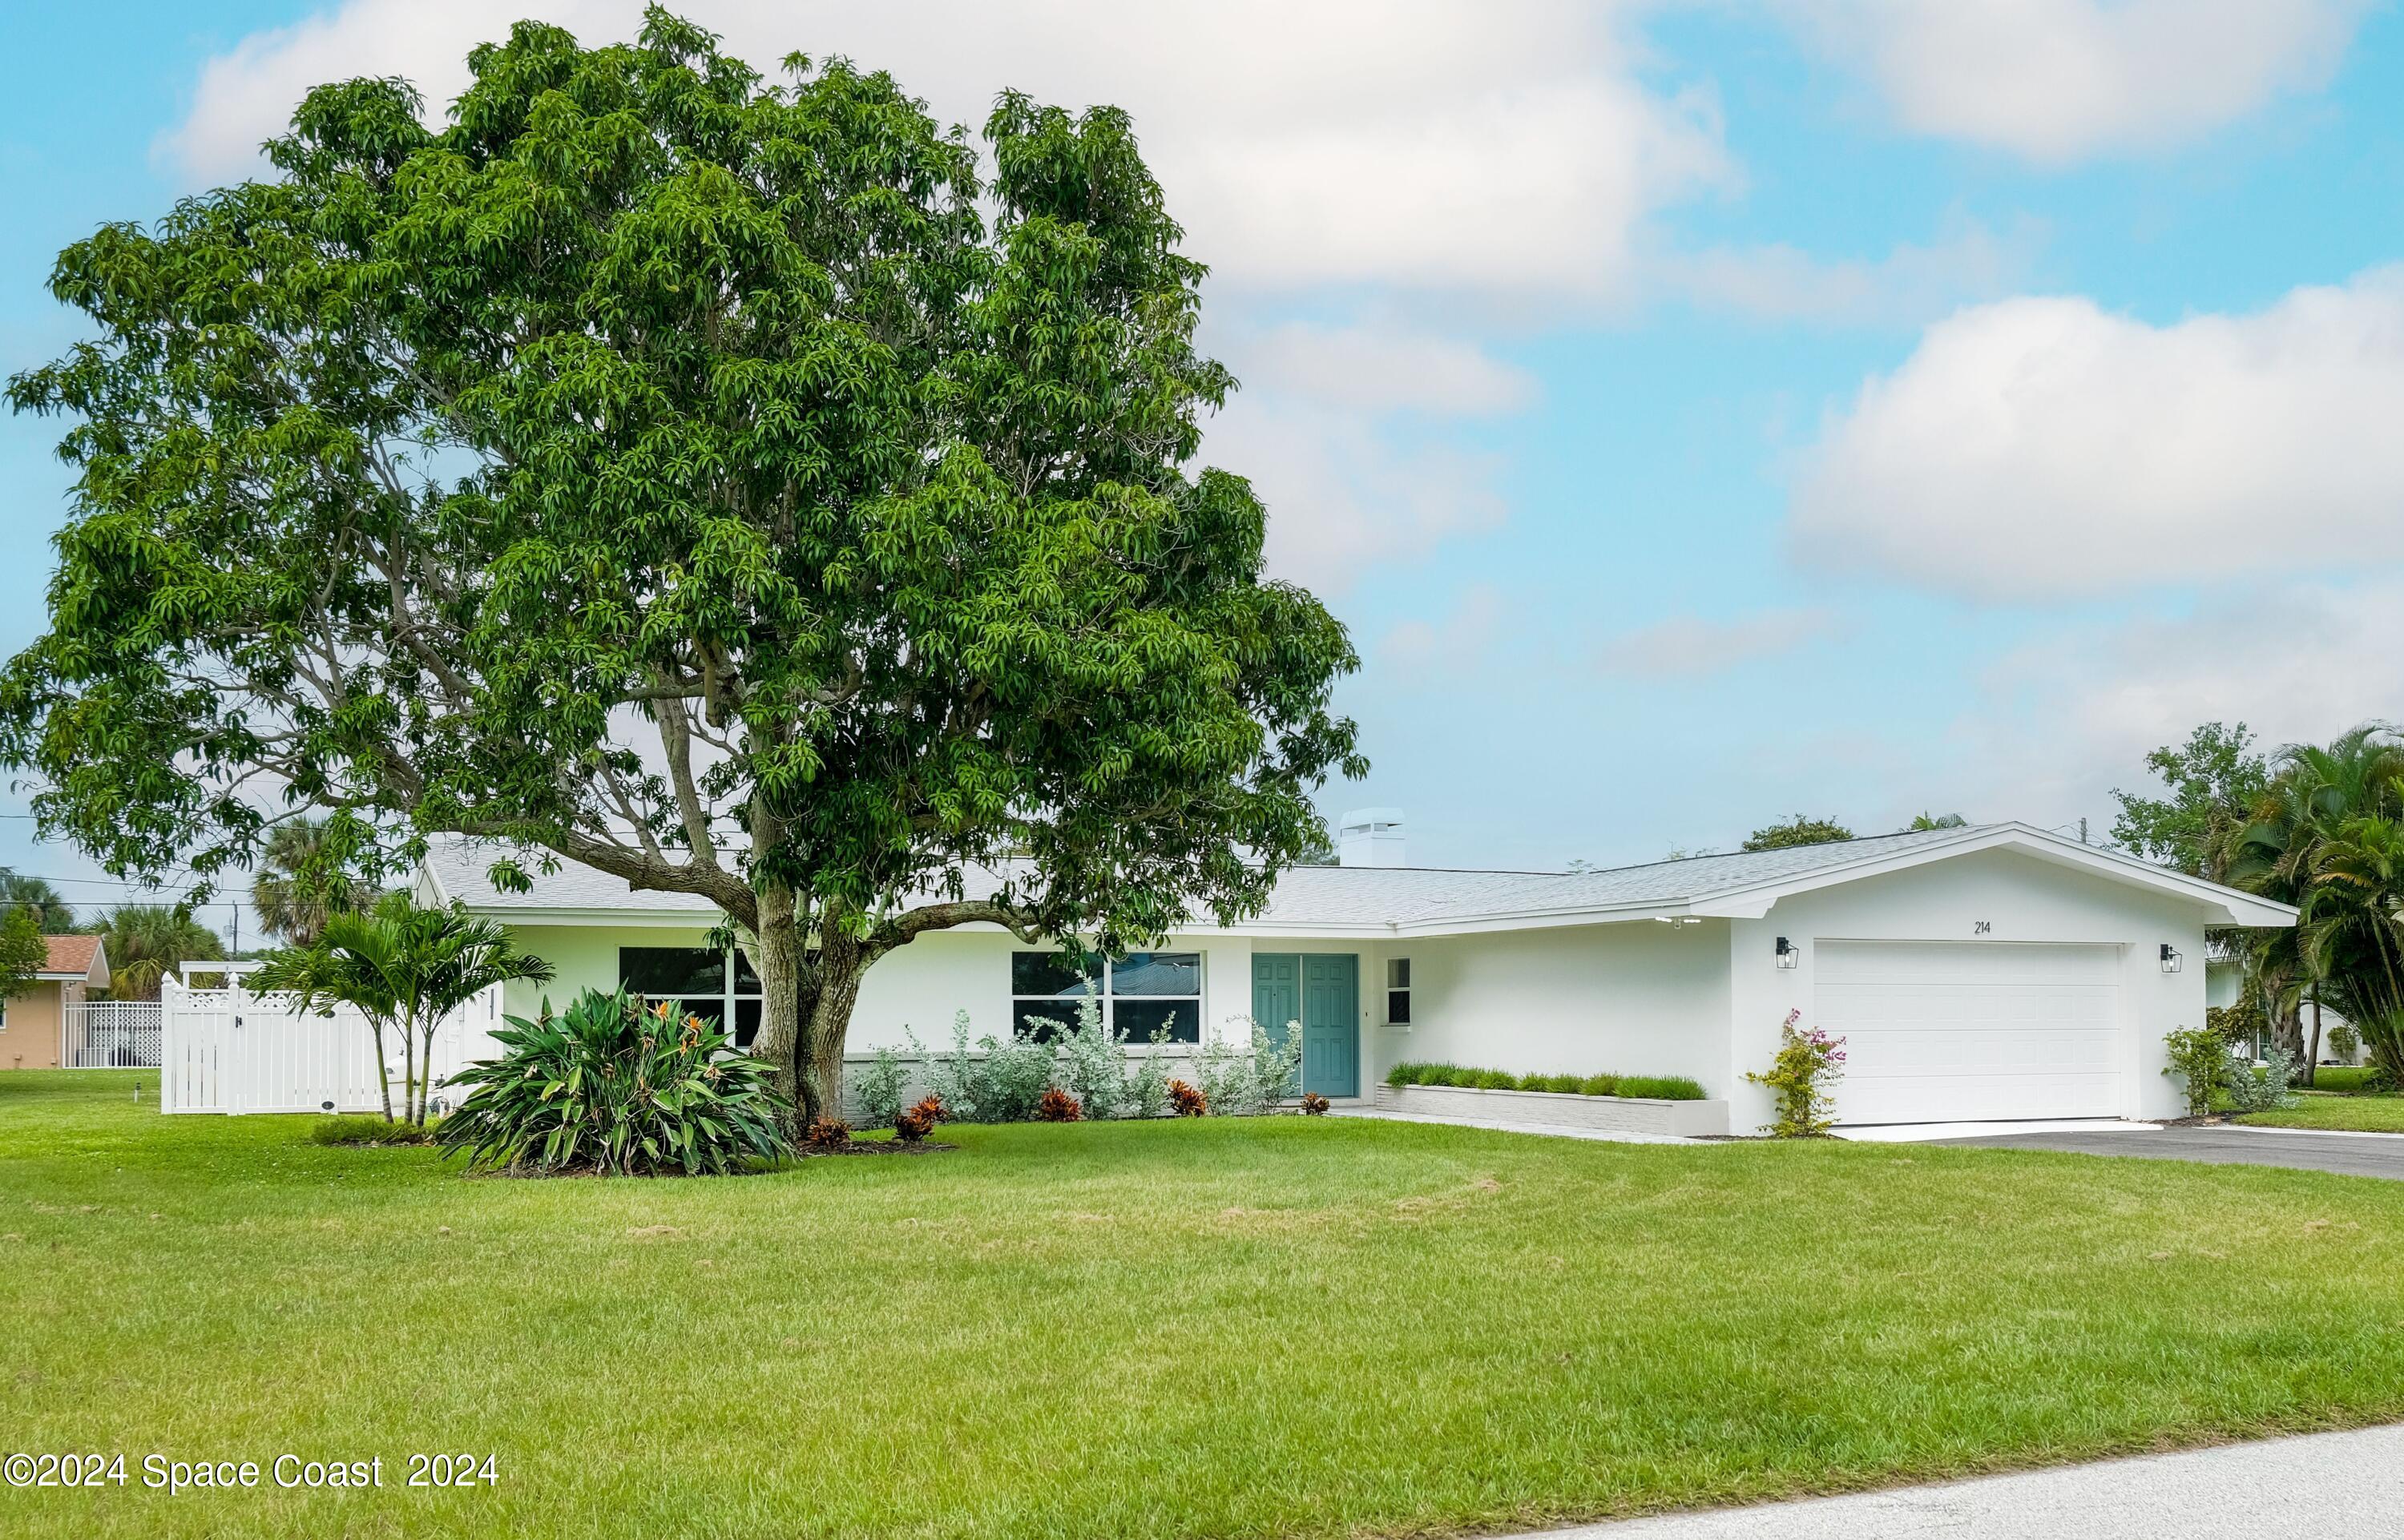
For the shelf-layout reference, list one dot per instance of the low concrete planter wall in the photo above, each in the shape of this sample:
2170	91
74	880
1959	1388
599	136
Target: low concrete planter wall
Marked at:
1620	1114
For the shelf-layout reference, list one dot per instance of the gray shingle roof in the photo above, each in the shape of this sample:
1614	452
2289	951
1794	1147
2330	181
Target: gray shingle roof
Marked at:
1305	897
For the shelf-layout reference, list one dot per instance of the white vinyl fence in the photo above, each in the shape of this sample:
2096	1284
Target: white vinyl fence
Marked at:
109	1035
229	1050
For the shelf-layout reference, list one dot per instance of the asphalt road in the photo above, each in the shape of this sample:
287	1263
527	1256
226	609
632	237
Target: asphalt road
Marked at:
2331	1485
2345	1153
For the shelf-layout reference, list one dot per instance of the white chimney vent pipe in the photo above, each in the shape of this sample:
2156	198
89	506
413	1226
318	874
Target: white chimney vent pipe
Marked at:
1370	837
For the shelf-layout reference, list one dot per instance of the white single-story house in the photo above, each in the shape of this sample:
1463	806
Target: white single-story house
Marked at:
1992	971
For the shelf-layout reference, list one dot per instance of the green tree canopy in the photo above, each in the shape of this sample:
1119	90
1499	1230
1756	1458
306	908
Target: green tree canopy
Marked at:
306	878
1798	830
146	942
713	481
2214	781
23	951
51	913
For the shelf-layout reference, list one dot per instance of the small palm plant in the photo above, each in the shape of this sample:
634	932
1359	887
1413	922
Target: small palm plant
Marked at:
405	968
619	1088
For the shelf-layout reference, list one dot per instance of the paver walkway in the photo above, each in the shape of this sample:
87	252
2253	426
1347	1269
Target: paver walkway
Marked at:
2331	1485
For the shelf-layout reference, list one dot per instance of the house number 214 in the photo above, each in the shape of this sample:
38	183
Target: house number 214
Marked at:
1981	927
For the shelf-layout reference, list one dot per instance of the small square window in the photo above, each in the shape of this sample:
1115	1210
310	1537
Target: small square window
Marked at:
1398	1007
1398	972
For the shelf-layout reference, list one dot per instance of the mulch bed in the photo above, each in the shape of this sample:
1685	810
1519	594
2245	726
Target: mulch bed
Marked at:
875	1147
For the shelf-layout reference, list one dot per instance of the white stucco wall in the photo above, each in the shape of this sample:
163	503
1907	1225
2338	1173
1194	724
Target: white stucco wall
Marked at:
1642	997
2020	899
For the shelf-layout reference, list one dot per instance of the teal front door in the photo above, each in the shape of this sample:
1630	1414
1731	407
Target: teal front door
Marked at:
1323	991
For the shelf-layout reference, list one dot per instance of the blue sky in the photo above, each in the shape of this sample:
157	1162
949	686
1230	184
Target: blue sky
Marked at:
1699	413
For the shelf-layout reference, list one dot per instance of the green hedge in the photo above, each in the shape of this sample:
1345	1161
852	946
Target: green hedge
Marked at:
2340	1077
1659	1087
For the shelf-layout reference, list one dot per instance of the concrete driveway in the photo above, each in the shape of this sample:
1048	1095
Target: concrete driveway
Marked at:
2349	1155
2325	1487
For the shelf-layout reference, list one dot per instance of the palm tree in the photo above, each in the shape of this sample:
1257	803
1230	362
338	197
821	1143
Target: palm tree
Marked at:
304	879
405	968
51	913
2323	803
146	942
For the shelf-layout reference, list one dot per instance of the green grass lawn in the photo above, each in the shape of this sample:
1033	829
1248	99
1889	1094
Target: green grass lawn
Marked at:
2364	1113
1267	1328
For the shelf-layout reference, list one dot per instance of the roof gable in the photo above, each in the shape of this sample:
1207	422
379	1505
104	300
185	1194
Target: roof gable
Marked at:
75	956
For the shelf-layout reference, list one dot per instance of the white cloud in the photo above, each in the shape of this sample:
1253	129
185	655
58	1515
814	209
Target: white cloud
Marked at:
2056	80
1691	648
2043	448
1379	369
2064	719
1449	146
1342	496
1910	285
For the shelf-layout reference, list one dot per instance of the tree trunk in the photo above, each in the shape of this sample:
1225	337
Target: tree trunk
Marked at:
409	1071
824	1029
2313	1057
779	959
2288	1030
384	1070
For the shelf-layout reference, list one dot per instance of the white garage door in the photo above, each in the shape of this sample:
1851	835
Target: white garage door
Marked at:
1946	1031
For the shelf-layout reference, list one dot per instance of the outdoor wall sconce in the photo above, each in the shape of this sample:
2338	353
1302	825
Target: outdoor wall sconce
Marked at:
2171	961
1789	955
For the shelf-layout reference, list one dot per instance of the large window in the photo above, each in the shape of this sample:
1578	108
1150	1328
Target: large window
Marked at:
1139	994
709	982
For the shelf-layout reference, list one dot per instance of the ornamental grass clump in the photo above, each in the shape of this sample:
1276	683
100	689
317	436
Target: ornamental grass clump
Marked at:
1804	1075
826	1133
1186	1100
614	1087
1057	1106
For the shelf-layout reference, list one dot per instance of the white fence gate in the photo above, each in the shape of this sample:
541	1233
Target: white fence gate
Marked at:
109	1035
231	1051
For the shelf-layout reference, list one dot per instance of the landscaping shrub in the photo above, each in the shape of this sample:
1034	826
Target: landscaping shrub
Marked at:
1087	1063
609	1086
1661	1087
1187	1101
2342	1040
2199	1057
2259	1090
880	1087
1148	1092
1664	1087
1313	1104
2346	1078
1004	1087
1244	1082
1057	1106
368	1129
923	1113
1803	1075
827	1133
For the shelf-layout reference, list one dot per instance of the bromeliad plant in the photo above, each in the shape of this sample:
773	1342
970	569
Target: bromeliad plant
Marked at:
1804	1075
617	1087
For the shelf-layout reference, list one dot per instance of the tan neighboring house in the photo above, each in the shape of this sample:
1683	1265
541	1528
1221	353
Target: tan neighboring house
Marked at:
29	1024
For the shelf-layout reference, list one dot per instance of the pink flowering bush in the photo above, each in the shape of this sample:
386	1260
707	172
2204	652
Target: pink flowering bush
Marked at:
1808	1066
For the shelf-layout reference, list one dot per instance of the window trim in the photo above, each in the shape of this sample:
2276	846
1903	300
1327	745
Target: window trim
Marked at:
727	999
1108	995
1398	991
